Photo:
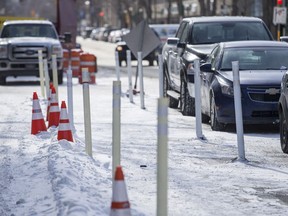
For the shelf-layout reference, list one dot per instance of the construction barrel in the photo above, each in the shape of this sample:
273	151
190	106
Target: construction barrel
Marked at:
75	61
89	61
65	60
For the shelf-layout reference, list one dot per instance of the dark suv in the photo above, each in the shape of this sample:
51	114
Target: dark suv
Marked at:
283	113
195	39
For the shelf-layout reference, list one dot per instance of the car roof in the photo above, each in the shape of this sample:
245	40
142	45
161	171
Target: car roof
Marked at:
222	19
254	43
7	22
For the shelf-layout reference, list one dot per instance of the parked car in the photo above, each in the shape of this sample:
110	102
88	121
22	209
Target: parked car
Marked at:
261	68
283	114
195	38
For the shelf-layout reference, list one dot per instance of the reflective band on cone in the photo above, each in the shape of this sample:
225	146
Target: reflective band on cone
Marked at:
54	112
38	123
120	205
64	129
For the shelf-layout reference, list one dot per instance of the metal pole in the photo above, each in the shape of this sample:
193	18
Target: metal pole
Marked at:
128	54
41	72
161	76
162	158
117	65
47	78
70	96
87	117
140	69
55	74
198	102
116	126
238	110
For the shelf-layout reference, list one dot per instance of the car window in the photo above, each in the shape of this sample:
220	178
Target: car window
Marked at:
256	59
27	30
209	33
181	29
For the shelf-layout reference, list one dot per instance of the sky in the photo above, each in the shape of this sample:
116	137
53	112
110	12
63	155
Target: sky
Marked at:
40	175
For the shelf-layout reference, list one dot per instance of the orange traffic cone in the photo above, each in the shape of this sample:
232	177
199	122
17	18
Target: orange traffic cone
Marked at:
120	205
49	100
54	112
38	123
64	130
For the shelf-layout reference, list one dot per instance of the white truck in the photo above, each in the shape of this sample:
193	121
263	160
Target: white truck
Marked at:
20	41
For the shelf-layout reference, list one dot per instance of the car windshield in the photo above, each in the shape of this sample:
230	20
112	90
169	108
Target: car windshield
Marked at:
28	30
209	33
268	58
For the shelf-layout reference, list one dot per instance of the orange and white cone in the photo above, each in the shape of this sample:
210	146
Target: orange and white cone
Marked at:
120	205
49	100
54	112
64	129
38	123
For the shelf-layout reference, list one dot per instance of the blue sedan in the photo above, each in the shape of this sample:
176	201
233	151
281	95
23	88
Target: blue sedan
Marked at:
262	65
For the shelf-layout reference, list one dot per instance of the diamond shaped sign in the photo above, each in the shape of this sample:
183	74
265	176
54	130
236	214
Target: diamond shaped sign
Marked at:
142	39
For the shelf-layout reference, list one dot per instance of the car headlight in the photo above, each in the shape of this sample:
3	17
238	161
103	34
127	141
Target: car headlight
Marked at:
57	50
119	48
226	88
3	52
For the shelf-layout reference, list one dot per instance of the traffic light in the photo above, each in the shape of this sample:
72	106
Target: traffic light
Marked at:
279	2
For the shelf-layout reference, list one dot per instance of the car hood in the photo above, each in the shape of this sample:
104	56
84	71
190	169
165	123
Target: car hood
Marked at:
201	50
256	77
29	40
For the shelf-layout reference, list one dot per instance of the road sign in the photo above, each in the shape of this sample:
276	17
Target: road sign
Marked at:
280	15
142	39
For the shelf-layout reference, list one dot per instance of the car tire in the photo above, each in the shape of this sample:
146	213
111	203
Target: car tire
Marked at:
2	80
151	62
214	123
173	102
283	132
187	103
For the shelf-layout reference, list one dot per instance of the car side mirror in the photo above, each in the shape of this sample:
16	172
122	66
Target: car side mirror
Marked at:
206	67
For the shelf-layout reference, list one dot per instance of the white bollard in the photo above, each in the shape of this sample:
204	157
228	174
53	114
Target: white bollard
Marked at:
129	70
162	157
140	70
70	97
55	74
47	78
41	72
198	101
161	76
117	65
238	110
116	126
87	116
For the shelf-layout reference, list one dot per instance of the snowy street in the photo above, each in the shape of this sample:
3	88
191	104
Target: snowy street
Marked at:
42	176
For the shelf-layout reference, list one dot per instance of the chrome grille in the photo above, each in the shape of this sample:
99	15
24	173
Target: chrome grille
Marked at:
27	52
269	94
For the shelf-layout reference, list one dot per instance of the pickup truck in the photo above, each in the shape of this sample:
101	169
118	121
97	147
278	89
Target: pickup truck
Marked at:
20	41
195	39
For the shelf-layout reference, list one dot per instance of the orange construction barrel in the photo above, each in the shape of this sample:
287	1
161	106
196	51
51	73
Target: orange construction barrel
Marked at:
75	62
89	61
65	59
